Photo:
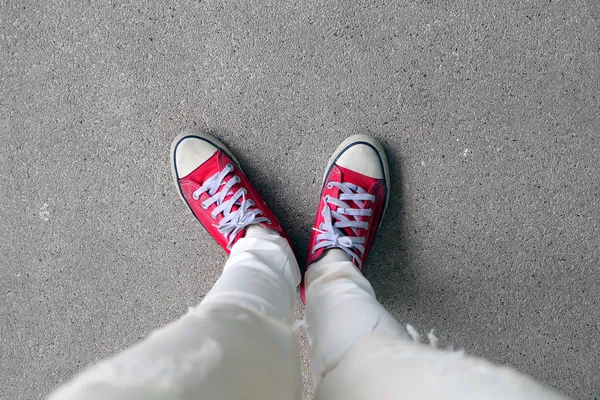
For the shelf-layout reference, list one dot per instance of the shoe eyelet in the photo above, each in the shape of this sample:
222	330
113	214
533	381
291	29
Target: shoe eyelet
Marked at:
229	167
327	198
250	203
213	216
330	185
195	196
244	191
268	222
204	206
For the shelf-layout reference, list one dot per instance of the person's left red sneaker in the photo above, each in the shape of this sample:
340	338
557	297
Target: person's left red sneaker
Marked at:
216	190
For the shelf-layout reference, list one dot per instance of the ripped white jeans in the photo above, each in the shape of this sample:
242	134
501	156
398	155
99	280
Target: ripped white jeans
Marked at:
239	344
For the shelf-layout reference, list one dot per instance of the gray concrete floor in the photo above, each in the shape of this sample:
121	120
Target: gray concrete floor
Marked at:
489	112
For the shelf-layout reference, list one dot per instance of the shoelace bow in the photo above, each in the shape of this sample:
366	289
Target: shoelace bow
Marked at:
331	234
233	221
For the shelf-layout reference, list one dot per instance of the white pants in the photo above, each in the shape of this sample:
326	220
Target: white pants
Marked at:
239	344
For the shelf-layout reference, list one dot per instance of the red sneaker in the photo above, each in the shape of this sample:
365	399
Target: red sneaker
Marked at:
216	190
354	197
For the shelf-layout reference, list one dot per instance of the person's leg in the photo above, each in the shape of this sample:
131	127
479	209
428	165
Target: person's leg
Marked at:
358	350
261	274
238	343
340	309
386	367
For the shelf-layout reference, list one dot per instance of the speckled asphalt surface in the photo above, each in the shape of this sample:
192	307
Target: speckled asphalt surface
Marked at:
489	112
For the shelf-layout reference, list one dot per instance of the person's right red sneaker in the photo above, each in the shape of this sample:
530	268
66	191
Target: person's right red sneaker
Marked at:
354	197
214	187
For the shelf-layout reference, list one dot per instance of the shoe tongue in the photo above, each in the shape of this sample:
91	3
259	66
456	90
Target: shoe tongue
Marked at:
232	191
347	231
209	168
365	182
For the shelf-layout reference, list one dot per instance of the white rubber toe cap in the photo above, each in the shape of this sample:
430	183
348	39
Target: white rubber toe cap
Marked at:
363	159
190	153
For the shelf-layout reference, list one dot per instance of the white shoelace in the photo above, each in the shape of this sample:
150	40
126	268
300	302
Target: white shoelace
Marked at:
233	222
330	232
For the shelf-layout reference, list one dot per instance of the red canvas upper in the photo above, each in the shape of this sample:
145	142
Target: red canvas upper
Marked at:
372	186
196	178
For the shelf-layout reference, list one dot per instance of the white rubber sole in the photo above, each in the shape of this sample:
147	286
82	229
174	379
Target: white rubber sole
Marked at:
380	151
